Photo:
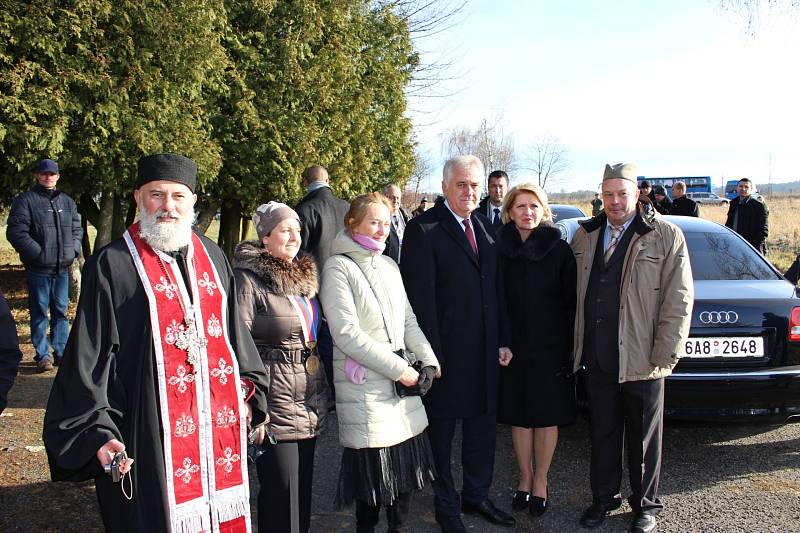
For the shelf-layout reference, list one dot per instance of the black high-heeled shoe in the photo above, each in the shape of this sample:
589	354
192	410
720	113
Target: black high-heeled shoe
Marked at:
520	500
538	506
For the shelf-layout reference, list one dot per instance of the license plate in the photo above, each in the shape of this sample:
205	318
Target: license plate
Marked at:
710	347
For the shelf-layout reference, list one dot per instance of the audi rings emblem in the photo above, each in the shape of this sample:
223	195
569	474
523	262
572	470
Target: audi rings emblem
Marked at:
719	317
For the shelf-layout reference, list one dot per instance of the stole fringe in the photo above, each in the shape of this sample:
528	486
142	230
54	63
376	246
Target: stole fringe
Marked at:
192	523
231	509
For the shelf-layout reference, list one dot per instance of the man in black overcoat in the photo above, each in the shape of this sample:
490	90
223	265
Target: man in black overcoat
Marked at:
321	214
748	216
449	269
399	219
321	217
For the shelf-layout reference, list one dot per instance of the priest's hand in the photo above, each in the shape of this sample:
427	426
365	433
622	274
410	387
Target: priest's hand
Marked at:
505	356
257	435
107	452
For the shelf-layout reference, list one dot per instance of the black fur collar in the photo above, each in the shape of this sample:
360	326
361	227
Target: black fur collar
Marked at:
280	277
540	242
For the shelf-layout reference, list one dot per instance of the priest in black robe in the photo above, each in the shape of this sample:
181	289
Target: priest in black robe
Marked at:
106	390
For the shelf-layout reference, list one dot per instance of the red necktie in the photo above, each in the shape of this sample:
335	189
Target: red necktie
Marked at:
470	235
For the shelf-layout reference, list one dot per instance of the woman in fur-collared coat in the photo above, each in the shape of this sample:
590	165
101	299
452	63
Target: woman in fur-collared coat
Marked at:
276	294
536	389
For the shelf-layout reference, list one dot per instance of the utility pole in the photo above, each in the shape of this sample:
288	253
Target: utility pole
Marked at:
489	153
769	176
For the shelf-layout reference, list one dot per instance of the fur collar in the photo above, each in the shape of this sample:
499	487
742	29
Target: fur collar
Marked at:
280	277
540	242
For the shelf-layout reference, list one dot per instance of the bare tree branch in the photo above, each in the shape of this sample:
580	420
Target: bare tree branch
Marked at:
547	158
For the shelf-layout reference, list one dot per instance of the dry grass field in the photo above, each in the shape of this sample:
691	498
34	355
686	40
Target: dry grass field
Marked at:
784	229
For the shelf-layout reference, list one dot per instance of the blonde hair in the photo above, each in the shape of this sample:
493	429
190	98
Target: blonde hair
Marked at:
359	207
531	188
681	186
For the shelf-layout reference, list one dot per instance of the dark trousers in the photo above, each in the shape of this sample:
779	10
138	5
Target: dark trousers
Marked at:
325	349
284	472
367	516
633	411
48	292
477	460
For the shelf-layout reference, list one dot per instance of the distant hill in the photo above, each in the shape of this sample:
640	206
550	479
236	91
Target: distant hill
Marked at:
791	188
773	189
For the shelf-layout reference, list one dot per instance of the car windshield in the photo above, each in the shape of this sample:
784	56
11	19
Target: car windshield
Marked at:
724	256
565	211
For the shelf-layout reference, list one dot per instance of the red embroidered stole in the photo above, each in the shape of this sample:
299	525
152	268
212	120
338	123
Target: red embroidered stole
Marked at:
203	419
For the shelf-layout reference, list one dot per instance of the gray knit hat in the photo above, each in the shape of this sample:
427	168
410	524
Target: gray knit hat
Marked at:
269	215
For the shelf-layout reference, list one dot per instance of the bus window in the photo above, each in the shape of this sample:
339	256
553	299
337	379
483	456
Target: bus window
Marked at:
730	189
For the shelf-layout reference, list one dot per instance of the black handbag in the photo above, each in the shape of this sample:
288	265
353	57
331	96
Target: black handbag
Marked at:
414	390
401	390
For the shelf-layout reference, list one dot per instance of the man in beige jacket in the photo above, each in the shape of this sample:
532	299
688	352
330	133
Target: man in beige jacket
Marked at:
635	295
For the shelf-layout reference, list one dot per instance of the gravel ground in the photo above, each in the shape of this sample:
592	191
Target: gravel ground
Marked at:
715	478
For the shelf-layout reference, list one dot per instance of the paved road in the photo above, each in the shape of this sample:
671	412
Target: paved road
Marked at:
715	478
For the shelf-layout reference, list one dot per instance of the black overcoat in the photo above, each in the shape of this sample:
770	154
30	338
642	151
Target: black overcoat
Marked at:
393	243
455	298
540	277
321	218
753	221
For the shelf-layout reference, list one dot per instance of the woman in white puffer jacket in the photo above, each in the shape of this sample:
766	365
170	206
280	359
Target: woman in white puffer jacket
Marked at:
387	454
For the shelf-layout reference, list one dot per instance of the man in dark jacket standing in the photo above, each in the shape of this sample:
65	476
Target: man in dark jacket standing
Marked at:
449	270
493	203
661	201
321	214
399	219
749	217
44	227
321	218
681	205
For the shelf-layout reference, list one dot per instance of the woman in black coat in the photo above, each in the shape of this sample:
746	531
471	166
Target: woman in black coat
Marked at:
537	393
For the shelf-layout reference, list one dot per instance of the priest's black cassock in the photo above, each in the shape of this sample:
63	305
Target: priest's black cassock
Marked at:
107	387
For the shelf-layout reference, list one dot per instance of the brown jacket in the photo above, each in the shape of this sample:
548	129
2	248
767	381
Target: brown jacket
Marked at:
656	296
297	401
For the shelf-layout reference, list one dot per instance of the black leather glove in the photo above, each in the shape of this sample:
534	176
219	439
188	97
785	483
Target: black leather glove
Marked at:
426	375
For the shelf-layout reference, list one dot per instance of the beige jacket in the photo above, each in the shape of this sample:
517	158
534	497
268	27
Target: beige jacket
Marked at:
656	296
371	415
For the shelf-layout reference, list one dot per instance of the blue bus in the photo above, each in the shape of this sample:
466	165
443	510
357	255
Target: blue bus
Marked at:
693	183
730	189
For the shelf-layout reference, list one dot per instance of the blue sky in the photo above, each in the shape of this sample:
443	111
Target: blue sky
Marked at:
678	87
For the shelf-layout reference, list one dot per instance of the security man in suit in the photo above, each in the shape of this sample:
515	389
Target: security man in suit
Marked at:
492	205
399	219
449	268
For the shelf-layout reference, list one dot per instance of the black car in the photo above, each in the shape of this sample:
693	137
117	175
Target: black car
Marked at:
742	357
565	211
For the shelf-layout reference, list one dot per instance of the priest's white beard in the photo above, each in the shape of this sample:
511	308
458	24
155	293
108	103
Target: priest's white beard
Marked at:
166	236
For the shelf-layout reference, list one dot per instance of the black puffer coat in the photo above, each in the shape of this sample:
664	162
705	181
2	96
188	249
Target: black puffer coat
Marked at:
298	402
44	227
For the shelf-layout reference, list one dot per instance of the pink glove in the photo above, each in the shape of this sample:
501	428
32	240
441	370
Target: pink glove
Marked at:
355	372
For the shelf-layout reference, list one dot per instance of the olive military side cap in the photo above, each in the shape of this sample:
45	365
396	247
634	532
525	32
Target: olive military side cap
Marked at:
621	171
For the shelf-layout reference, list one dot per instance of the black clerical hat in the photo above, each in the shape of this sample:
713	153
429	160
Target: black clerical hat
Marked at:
169	167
